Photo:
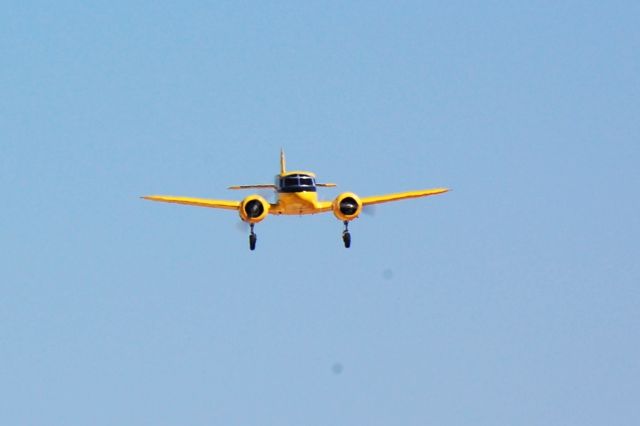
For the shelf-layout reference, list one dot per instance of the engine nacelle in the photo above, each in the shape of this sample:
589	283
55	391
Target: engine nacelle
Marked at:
347	206
254	209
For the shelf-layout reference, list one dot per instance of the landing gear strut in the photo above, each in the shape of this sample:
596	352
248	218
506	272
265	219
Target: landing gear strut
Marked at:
253	238
346	236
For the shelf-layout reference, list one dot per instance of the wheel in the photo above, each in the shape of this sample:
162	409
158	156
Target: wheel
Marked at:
346	238
252	241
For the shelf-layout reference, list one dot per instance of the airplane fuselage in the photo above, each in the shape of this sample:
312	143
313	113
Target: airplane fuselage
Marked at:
297	193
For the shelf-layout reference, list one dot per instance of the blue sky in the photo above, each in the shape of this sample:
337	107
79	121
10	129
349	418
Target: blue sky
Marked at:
511	300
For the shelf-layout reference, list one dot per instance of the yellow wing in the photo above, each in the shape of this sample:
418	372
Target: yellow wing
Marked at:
377	199
202	202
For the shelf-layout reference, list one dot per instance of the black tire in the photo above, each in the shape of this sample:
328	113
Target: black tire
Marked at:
252	241
346	238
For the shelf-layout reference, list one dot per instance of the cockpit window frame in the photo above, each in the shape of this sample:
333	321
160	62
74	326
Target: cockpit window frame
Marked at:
294	183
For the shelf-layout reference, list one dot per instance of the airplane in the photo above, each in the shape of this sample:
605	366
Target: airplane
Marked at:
296	193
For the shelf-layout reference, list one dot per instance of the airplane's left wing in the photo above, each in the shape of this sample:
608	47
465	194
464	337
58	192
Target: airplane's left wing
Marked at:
202	202
377	199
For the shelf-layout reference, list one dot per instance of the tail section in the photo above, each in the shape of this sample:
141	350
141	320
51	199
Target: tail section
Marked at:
283	170
283	162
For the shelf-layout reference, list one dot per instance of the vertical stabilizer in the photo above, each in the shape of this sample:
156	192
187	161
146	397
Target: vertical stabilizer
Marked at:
283	162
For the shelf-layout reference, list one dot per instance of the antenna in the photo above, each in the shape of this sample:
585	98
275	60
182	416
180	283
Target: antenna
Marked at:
283	162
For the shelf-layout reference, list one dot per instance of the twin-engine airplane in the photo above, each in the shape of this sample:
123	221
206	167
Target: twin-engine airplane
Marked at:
296	195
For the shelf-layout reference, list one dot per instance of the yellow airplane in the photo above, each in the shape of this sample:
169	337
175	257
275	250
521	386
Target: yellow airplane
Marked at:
296	195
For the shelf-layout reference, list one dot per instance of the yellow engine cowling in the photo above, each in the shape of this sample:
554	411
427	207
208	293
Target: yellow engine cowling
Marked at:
347	206
254	209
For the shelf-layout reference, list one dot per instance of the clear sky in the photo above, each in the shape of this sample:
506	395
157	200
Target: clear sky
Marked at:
513	300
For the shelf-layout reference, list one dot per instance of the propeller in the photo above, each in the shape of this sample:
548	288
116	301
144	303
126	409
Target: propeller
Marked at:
370	210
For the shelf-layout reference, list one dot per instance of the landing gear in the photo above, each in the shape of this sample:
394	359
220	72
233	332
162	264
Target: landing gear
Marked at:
346	236
253	238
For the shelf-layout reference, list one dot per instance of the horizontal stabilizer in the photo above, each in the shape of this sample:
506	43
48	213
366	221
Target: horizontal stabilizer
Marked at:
259	186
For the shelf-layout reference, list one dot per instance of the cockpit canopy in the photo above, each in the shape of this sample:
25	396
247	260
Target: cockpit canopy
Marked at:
296	182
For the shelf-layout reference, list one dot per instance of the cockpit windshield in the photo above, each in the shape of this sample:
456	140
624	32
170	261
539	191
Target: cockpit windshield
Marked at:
306	181
297	183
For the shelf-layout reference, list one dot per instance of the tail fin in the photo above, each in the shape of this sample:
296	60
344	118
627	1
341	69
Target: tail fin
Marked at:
283	162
